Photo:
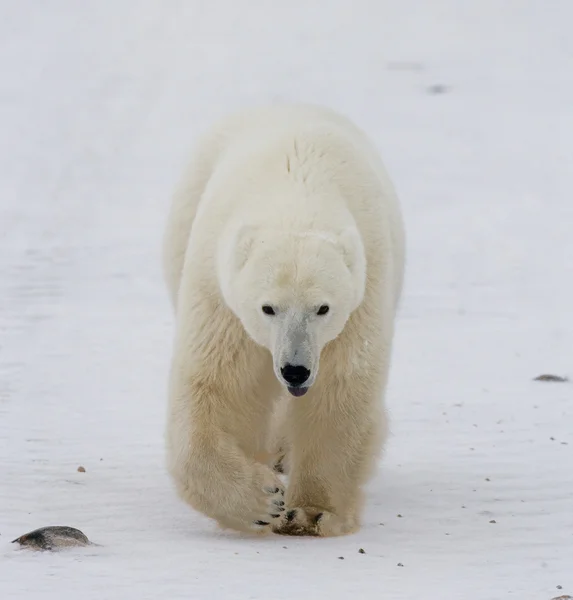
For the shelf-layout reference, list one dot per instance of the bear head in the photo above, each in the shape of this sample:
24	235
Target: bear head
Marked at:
293	292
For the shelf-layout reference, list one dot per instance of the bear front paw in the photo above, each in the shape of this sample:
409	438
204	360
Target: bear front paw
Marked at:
311	521
272	513
261	508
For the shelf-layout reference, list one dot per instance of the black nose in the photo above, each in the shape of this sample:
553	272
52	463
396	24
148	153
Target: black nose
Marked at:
295	374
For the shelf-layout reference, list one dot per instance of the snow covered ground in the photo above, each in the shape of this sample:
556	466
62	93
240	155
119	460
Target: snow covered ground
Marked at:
471	104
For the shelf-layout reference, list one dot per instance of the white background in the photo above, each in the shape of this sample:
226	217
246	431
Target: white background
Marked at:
100	103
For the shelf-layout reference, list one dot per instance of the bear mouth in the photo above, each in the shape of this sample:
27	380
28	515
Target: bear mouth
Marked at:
297	392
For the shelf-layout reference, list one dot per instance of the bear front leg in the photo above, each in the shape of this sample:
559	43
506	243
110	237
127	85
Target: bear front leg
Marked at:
336	438
214	434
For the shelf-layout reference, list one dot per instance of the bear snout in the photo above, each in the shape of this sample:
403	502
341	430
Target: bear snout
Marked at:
295	375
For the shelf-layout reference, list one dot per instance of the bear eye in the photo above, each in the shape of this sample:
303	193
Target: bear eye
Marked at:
323	309
268	310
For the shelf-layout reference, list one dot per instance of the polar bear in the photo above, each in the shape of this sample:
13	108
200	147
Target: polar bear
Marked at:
284	258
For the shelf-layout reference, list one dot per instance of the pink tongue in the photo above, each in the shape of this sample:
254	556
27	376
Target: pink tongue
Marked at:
297	392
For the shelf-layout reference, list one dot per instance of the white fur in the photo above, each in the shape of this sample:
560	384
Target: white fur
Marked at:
288	206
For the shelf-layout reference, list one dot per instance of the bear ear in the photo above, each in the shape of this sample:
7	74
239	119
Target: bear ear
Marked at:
232	254
350	242
242	242
354	255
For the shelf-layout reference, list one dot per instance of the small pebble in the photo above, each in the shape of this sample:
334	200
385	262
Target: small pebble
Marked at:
437	88
81	469
341	558
493	521
400	565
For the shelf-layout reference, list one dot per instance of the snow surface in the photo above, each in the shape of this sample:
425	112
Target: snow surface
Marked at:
471	104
